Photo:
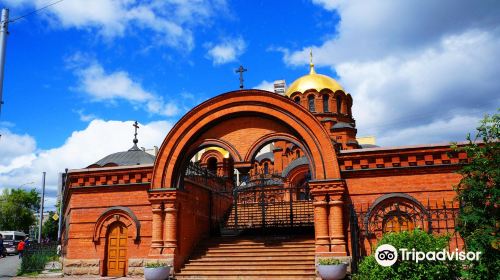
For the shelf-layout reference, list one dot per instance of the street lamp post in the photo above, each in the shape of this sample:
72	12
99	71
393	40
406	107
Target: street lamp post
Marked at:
41	210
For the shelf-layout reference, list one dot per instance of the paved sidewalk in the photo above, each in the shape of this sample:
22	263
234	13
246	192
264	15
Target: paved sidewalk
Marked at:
9	266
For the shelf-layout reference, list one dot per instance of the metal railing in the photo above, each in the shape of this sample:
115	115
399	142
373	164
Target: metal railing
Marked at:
203	176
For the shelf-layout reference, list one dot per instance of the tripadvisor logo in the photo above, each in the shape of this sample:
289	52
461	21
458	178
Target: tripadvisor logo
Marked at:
387	255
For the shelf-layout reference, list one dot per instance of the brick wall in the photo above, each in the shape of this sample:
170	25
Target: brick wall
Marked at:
193	220
86	206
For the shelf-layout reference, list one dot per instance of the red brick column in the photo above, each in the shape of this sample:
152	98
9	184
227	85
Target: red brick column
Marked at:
157	226
170	229
321	224
328	216
164	226
336	225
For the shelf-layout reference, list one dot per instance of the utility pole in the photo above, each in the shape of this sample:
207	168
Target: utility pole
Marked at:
63	177
4	31
41	210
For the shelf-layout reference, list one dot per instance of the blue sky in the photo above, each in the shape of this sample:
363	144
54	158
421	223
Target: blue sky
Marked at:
43	52
79	72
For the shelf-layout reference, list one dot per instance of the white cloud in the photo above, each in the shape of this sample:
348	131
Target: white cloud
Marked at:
14	148
100	85
413	67
85	117
172	22
21	162
228	50
265	85
456	129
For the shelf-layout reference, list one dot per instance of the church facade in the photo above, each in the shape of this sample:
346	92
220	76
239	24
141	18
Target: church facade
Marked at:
253	161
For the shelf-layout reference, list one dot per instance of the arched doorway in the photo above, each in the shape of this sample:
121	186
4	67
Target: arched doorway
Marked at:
116	250
212	165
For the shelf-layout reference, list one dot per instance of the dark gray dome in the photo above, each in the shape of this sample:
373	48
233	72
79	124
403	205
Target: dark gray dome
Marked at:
342	125
134	156
366	146
268	155
296	162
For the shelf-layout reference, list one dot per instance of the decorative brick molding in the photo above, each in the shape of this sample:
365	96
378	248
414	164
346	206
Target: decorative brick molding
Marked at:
399	157
91	177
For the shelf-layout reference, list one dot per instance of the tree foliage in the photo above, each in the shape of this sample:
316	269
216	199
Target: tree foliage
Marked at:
479	194
49	228
17	208
369	269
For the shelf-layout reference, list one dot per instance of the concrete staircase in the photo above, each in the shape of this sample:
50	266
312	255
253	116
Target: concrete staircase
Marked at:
270	257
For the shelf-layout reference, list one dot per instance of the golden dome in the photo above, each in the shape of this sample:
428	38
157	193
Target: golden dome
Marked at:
313	81
224	153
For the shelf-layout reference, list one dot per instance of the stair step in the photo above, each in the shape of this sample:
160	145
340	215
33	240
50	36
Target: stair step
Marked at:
245	272
259	254
254	250
255	262
247	277
259	267
250	258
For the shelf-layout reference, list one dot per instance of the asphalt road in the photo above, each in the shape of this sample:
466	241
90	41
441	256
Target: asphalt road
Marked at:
9	266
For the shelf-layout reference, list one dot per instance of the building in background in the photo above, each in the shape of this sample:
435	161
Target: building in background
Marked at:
280	87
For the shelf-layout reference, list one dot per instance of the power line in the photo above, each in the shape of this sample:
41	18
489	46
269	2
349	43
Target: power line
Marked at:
35	11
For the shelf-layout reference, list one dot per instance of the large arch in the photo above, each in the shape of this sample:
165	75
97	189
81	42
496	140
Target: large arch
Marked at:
281	116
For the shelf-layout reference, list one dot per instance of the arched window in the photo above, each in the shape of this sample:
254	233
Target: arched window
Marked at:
212	165
297	100
339	104
297	153
326	100
266	168
396	212
310	100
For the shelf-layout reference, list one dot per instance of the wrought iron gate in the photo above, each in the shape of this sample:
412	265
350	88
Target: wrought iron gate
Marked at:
266	202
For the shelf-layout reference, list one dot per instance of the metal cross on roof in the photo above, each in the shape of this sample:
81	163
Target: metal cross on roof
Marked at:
136	126
241	70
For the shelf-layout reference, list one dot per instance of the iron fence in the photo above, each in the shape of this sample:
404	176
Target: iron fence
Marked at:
265	202
197	174
366	227
37	255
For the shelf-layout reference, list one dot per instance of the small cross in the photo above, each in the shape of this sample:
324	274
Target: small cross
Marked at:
241	70
136	126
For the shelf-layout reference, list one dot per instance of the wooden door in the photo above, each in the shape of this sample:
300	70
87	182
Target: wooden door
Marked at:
116	261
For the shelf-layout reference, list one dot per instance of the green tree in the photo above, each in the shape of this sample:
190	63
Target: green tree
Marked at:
479	197
17	208
369	269
49	228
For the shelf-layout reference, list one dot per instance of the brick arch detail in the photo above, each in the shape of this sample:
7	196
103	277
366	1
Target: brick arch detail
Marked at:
280	136
206	143
274	107
113	214
209	154
297	173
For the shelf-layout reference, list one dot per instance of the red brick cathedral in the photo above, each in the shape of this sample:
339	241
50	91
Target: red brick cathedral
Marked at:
258	184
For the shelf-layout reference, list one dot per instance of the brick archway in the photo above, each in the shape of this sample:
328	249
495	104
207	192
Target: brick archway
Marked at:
280	115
